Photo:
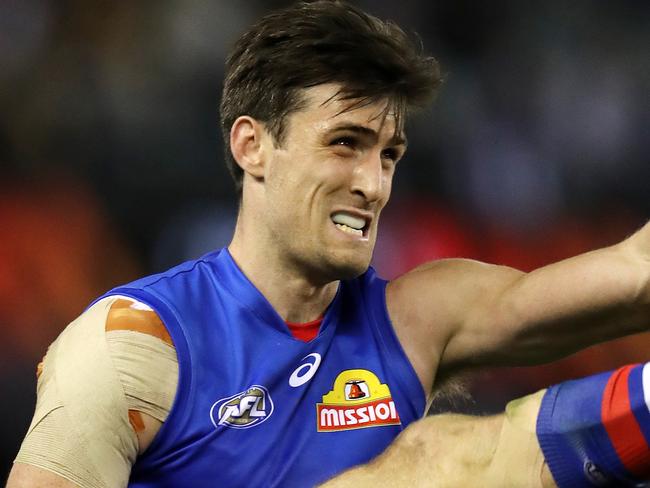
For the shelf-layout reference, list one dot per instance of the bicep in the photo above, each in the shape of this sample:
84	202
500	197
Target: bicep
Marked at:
530	318
444	312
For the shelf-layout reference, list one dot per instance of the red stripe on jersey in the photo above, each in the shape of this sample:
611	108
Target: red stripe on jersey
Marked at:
621	425
305	332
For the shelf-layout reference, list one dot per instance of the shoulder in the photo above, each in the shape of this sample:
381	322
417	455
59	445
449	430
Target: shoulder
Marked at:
439	285
104	388
180	272
431	304
447	285
127	314
117	335
444	271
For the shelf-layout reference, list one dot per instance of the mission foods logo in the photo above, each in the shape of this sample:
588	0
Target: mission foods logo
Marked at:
243	410
358	400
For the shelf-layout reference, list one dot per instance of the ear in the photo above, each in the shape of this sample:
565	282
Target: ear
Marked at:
246	145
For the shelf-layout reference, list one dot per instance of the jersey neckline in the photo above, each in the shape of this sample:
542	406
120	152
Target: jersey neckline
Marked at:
248	295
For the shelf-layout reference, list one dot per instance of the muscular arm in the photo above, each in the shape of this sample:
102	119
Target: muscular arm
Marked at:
448	451
24	475
591	431
460	313
105	387
28	476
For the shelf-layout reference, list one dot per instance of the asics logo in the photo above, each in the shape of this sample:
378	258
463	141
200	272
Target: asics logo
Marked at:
303	373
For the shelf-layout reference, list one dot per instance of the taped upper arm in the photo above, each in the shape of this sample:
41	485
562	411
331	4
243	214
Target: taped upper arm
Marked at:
146	363
80	429
106	385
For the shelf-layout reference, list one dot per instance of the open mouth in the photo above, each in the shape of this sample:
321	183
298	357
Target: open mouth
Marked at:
350	224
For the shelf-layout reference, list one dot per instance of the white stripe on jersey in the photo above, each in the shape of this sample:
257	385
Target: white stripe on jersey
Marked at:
136	304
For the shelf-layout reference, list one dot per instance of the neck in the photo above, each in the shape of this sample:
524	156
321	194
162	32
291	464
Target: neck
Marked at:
292	294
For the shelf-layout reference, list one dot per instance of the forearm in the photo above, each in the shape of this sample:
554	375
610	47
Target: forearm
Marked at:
590	298
456	450
588	432
438	451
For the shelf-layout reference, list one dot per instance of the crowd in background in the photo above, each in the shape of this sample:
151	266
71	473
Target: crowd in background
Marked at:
111	159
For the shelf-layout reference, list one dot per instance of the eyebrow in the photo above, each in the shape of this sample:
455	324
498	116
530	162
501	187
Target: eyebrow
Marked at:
396	140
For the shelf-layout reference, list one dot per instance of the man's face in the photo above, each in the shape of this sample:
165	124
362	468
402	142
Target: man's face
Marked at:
328	182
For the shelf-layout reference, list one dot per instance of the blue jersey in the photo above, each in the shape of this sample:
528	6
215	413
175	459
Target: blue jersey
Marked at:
256	407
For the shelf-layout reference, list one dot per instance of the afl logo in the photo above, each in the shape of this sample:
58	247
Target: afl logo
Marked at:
242	410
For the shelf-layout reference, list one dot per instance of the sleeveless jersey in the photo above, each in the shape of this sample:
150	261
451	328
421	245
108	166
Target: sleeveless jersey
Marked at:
256	407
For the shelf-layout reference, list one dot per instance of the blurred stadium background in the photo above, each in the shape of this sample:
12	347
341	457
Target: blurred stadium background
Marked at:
111	159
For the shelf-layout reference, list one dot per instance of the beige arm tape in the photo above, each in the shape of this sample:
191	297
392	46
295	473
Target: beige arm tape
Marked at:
148	371
79	376
144	356
518	460
90	381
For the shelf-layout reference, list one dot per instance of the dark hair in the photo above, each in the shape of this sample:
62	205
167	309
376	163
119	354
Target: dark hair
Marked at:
311	43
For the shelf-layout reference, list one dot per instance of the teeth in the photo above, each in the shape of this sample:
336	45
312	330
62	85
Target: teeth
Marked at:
350	230
349	220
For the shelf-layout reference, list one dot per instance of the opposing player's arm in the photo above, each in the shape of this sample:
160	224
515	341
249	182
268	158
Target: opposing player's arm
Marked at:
104	389
593	431
448	451
464	313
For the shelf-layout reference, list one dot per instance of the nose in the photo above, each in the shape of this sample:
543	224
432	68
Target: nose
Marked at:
368	178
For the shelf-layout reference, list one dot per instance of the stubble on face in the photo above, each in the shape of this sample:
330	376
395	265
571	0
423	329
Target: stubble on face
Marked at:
327	182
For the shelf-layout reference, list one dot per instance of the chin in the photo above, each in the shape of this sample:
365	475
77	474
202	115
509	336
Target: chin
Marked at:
328	265
346	268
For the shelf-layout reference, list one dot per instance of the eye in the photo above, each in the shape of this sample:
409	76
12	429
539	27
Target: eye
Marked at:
344	141
391	154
